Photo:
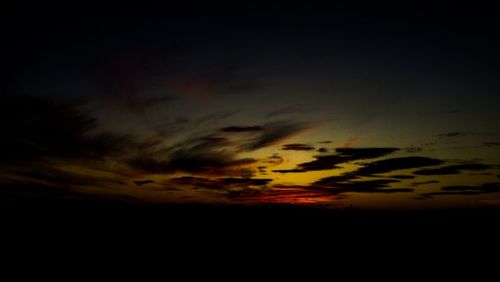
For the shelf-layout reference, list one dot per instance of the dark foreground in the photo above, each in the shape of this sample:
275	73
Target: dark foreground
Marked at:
33	225
87	213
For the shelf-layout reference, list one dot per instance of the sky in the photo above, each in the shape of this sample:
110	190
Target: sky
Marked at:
382	105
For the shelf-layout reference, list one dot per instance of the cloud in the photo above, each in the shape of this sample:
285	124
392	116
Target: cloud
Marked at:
485	188
274	133
297	147
334	180
36	130
262	169
413	184
196	182
463	190
213	154
242	129
344	155
217	153
394	164
204	163
219	183
451	135
322	150
479	173
348	182
36	173
33	128
143	182
402	176
246	181
273	160
345	184
288	170
453	169
492	144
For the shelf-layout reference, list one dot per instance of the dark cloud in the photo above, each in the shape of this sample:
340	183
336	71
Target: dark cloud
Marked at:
451	134
33	128
485	188
322	150
275	159
334	180
492	144
219	183
217	153
246	181
42	173
479	173
342	184
242	129
196	182
206	163
262	169
325	142
348	182
351	154
456	134
464	190
402	176
207	155
394	164
424	183
452	169
54	176
297	147
288	170
206	143
274	133
143	182
321	163
345	155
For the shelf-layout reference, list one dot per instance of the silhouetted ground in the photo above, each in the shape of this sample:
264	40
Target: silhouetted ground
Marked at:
87	212
219	234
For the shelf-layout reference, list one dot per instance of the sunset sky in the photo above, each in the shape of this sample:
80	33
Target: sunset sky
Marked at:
374	105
